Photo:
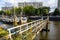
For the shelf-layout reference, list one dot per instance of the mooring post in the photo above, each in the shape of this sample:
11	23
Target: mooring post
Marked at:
10	35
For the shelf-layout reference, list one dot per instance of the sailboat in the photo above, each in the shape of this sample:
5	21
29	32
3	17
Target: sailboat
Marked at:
10	20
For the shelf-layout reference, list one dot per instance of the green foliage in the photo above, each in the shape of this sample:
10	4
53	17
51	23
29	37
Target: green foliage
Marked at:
40	11
3	32
43	11
7	12
17	10
29	10
48	8
2	12
56	12
11	11
36	11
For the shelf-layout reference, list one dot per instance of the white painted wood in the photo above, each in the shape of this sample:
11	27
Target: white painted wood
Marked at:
37	24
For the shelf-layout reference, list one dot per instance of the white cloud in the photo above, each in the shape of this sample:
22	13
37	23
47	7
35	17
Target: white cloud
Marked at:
45	2
11	1
51	3
15	2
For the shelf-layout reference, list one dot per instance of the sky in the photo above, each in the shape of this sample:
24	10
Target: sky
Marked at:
51	3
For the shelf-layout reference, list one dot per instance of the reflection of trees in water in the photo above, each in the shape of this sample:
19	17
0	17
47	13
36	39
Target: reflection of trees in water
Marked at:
43	35
56	23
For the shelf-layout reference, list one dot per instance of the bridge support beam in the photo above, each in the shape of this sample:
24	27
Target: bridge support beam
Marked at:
46	28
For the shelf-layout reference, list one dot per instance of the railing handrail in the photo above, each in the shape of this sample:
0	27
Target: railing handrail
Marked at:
25	27
23	24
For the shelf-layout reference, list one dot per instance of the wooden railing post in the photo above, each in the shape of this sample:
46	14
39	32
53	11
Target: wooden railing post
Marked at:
29	31
10	35
20	34
47	24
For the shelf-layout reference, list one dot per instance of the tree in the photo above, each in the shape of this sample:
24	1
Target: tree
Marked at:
17	10
46	11
7	12
43	11
36	11
56	12
29	10
40	11
2	12
48	8
11	11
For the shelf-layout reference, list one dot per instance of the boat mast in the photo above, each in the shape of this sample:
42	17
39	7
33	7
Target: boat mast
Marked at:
14	7
15	18
6	8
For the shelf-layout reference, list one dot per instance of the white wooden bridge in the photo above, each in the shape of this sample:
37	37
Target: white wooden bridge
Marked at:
28	31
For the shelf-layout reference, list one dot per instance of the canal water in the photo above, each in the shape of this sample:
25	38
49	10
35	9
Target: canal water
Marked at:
5	26
53	34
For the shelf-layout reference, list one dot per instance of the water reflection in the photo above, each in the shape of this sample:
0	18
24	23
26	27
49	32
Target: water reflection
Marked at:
5	26
43	35
54	33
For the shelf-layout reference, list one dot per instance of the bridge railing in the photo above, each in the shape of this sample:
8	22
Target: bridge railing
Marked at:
30	29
